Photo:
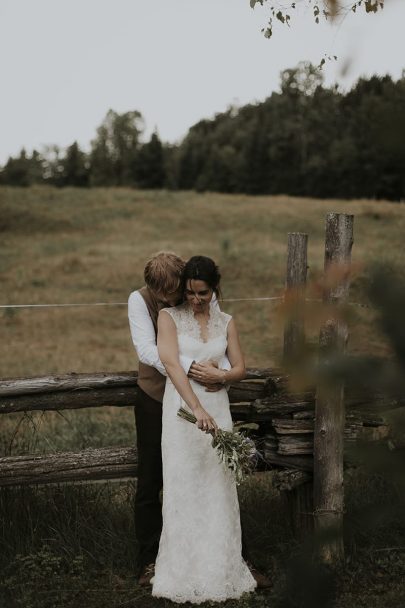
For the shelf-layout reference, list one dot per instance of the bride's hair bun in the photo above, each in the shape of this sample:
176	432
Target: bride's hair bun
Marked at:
202	268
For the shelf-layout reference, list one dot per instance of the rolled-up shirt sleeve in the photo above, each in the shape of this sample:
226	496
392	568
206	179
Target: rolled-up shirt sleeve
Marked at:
144	336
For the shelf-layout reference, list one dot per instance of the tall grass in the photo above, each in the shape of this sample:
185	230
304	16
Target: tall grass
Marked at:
75	546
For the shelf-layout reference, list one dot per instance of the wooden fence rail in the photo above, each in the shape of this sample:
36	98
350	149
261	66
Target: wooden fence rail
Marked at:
96	464
264	394
285	420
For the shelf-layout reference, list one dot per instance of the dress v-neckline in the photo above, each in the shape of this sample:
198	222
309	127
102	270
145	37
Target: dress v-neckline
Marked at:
200	328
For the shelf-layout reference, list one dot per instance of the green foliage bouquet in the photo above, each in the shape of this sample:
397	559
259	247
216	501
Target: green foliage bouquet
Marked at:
235	450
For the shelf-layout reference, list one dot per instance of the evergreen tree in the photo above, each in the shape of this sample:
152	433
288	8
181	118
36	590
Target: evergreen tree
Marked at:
17	171
36	168
75	167
149	164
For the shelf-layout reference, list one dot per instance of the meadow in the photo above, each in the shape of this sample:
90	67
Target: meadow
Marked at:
68	545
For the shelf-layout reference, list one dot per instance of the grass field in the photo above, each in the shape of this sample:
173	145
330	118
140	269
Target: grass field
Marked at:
80	246
69	545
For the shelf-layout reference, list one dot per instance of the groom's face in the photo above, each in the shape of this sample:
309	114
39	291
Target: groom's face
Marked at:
169	299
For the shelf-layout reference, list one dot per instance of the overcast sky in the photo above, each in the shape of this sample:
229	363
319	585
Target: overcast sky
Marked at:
64	63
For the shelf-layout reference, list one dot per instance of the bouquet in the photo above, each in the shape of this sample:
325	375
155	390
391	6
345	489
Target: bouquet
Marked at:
235	450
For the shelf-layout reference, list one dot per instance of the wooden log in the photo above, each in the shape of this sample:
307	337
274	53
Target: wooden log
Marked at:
288	427
292	445
329	410
291	441
284	403
304	415
295	445
276	374
287	397
352	430
368	405
250	391
289	479
87	465
117	396
97	464
72	381
66	382
75	391
270	441
73	399
304	463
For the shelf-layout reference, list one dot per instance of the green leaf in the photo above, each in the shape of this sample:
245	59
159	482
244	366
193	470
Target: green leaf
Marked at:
280	17
371	6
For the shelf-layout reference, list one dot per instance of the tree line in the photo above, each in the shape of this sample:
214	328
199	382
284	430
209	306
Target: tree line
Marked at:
304	140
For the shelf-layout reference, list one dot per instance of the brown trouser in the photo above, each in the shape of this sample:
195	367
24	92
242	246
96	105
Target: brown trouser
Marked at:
148	508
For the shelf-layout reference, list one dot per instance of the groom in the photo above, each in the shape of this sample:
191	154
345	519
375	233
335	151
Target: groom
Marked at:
162	276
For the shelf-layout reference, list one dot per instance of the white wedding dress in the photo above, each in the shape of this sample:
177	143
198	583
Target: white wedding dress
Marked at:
199	555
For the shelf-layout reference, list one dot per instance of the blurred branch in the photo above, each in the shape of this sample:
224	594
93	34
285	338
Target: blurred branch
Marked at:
320	9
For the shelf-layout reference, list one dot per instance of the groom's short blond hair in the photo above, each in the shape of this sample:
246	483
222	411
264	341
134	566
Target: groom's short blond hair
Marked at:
163	272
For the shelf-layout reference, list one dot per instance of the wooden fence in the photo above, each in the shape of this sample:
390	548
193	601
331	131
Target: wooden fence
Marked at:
302	434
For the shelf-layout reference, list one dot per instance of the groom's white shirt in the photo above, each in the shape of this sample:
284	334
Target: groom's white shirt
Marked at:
144	337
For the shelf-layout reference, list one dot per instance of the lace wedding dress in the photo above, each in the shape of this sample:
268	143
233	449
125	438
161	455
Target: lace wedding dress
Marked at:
199	555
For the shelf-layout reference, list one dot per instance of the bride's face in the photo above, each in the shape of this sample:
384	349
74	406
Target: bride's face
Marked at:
198	295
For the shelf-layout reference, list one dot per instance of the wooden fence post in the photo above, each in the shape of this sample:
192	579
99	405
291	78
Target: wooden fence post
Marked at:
296	279
301	497
329	407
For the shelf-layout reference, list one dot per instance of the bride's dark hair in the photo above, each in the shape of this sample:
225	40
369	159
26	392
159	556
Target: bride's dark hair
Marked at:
201	268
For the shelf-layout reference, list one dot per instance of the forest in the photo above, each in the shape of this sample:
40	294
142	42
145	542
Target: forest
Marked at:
304	140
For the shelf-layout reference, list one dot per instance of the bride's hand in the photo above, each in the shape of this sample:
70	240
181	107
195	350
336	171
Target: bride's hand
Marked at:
205	422
206	373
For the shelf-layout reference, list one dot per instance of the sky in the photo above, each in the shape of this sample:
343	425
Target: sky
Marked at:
65	63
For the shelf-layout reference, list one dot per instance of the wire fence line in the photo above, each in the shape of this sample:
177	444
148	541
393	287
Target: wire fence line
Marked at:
90	304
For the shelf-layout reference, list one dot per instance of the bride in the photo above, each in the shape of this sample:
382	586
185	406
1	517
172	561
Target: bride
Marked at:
199	555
